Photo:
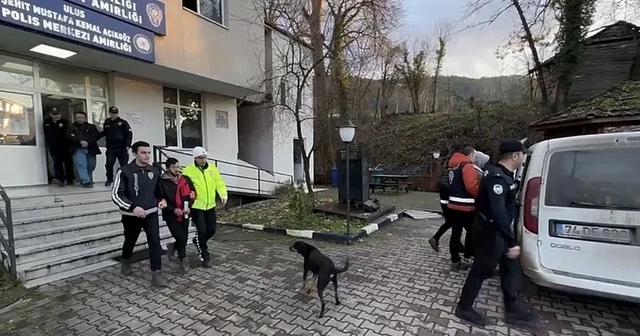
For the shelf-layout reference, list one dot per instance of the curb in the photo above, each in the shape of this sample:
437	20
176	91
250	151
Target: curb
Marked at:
326	236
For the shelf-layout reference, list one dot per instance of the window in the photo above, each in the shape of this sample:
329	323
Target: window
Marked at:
17	120
210	9
182	118
598	178
15	72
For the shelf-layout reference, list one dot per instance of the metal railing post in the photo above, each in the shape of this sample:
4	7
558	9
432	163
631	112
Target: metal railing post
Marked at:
155	154
12	248
259	183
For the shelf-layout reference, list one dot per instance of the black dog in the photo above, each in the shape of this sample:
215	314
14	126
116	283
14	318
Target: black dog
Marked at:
323	269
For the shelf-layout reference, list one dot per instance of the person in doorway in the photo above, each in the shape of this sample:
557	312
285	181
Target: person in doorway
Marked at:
463	190
496	243
179	193
118	135
84	147
137	192
208	183
443	190
56	129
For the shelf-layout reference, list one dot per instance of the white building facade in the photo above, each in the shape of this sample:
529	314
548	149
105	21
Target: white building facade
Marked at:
183	73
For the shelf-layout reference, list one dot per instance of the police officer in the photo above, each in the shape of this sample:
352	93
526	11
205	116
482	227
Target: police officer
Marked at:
119	136
494	239
55	134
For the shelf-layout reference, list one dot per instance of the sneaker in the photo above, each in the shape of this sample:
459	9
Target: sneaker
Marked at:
69	183
157	279
125	268
108	183
57	182
206	264
87	185
434	244
519	316
470	315
456	266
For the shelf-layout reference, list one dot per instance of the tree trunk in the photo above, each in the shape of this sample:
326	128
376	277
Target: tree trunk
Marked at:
305	157
542	83
322	125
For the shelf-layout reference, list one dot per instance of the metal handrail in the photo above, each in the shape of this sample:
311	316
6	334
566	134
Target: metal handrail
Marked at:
8	243
160	151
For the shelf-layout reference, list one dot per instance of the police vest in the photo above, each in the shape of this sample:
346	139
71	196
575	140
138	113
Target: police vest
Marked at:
458	194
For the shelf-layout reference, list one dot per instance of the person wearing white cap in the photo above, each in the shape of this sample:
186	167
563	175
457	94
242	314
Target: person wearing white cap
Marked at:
208	183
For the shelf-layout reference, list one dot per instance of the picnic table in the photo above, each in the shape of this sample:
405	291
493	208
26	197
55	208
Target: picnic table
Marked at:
390	181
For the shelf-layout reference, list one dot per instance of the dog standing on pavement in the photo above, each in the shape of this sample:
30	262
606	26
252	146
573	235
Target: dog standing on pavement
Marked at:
322	267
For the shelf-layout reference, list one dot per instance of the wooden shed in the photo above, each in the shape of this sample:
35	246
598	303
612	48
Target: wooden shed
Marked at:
617	109
611	57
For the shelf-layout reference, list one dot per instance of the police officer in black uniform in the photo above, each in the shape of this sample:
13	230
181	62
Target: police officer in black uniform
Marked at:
55	135
119	136
494	239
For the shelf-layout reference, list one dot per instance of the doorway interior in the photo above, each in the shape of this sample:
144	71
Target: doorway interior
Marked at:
68	107
298	167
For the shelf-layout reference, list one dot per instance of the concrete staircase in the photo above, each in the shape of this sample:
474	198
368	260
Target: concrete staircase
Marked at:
62	232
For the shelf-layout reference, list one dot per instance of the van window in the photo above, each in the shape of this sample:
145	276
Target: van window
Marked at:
597	178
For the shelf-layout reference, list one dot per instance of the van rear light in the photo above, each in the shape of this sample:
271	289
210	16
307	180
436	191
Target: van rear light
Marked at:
531	205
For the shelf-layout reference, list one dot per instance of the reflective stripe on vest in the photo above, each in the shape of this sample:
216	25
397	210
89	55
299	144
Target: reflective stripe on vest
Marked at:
458	194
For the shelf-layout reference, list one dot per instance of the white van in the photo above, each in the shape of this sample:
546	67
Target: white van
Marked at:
580	222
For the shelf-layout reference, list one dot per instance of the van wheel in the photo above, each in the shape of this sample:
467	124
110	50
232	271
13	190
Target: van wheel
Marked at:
528	287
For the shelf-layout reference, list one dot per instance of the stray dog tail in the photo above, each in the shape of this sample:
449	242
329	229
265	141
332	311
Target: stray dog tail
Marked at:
343	269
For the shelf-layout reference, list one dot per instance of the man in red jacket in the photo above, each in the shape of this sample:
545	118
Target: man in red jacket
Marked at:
463	190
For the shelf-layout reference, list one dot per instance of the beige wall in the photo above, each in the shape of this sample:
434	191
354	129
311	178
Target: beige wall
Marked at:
196	45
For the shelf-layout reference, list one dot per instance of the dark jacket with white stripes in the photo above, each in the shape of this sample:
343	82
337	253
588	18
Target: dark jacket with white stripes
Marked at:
135	186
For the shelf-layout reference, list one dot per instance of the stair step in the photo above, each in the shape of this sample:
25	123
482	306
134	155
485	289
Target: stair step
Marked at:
58	233
51	196
34	211
30	224
33	253
68	274
64	263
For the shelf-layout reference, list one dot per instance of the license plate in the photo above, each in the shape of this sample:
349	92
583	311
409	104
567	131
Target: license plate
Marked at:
596	233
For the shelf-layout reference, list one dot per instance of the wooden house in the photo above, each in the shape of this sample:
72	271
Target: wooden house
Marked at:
605	92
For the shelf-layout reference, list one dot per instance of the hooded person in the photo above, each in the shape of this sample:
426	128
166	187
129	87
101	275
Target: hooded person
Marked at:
208	184
463	190
179	193
479	163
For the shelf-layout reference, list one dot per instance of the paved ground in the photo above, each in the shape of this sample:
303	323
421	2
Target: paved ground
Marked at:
396	286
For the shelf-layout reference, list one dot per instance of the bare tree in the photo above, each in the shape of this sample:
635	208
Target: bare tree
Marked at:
443	31
389	78
414	73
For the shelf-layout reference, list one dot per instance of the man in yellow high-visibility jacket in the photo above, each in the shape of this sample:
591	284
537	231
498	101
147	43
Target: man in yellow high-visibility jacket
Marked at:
208	183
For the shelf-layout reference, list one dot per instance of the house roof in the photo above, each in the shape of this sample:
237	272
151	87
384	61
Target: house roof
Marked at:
621	102
602	36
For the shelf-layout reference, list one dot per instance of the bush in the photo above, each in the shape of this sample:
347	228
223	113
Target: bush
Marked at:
299	202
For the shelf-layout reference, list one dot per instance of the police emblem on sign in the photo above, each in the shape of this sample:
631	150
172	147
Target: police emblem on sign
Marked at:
142	44
150	174
155	14
451	175
497	189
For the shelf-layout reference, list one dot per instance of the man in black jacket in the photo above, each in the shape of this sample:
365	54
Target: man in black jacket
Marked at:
118	137
137	192
84	147
55	134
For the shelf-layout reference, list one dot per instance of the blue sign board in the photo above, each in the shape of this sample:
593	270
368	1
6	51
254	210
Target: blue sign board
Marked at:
75	23
148	14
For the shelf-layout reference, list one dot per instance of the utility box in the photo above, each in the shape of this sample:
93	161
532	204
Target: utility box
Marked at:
359	177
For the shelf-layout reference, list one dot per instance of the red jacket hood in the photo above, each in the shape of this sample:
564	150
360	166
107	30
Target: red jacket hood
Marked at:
457	159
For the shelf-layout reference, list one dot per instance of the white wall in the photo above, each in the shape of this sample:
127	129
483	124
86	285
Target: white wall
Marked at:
230	54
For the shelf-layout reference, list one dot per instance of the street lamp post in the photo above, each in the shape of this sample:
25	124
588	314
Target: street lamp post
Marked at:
347	133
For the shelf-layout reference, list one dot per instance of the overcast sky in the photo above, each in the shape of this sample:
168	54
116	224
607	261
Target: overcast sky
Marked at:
472	53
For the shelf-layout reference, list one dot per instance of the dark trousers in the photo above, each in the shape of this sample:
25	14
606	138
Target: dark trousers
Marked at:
179	232
459	220
490	252
447	223
132	227
205	222
62	165
113	153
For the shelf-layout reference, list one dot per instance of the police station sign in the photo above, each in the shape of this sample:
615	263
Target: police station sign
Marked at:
148	14
77	24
